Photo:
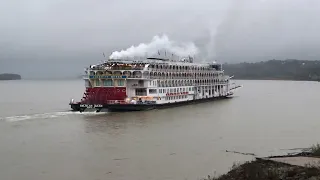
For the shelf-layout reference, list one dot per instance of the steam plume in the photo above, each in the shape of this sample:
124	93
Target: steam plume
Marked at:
157	43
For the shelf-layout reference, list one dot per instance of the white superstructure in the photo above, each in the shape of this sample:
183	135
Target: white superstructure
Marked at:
156	80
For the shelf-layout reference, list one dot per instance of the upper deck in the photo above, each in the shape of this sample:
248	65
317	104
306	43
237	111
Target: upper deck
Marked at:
156	64
154	68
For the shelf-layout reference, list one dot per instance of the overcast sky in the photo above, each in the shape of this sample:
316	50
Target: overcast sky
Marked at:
56	38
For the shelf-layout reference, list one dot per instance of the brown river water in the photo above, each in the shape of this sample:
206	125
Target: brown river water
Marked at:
41	139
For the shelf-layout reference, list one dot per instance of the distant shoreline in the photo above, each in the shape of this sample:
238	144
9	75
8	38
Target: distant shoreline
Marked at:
247	79
272	79
283	70
294	70
9	76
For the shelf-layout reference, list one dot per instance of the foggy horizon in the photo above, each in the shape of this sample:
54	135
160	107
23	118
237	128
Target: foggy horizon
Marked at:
56	38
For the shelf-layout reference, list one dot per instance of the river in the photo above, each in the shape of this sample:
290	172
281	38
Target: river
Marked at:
41	139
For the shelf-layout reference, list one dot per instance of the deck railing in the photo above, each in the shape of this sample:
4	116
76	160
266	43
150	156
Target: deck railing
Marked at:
125	102
116	102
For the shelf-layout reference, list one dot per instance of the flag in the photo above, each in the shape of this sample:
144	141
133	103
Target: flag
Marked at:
159	52
104	55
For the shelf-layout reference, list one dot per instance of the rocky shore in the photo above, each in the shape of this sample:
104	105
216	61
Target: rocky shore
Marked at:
300	166
269	170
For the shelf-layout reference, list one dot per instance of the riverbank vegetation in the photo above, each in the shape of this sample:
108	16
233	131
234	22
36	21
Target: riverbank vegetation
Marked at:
315	150
276	70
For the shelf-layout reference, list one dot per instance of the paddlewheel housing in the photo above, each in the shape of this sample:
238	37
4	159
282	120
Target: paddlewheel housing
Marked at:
103	95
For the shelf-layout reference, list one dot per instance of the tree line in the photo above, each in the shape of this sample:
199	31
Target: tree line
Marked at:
276	70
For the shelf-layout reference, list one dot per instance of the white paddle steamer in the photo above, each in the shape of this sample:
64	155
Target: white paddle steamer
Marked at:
156	82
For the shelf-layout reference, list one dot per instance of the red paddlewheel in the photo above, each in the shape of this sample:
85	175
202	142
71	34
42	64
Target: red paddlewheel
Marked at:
100	95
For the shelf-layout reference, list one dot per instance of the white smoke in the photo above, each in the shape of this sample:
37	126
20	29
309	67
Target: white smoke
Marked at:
157	43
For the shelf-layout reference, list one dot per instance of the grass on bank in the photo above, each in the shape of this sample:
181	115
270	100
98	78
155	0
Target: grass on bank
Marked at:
315	150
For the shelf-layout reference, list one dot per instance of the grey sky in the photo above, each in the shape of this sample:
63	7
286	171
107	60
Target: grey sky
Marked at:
59	37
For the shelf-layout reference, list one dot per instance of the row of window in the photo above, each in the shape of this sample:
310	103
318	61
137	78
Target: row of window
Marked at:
184	74
179	67
176	90
173	90
176	97
170	83
109	82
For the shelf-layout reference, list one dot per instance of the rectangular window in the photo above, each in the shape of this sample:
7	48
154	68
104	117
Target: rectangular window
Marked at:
152	91
108	82
97	82
105	83
121	82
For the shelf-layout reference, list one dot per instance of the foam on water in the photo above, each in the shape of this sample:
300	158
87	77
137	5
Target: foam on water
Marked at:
45	116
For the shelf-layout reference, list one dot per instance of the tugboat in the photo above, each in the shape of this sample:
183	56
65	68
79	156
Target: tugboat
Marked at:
152	83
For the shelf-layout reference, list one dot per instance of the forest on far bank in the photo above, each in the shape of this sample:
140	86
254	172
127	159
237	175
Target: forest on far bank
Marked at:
275	70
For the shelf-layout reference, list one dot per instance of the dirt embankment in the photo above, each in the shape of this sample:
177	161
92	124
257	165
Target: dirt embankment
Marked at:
261	169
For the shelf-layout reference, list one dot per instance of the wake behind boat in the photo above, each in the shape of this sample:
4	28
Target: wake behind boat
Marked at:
152	83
